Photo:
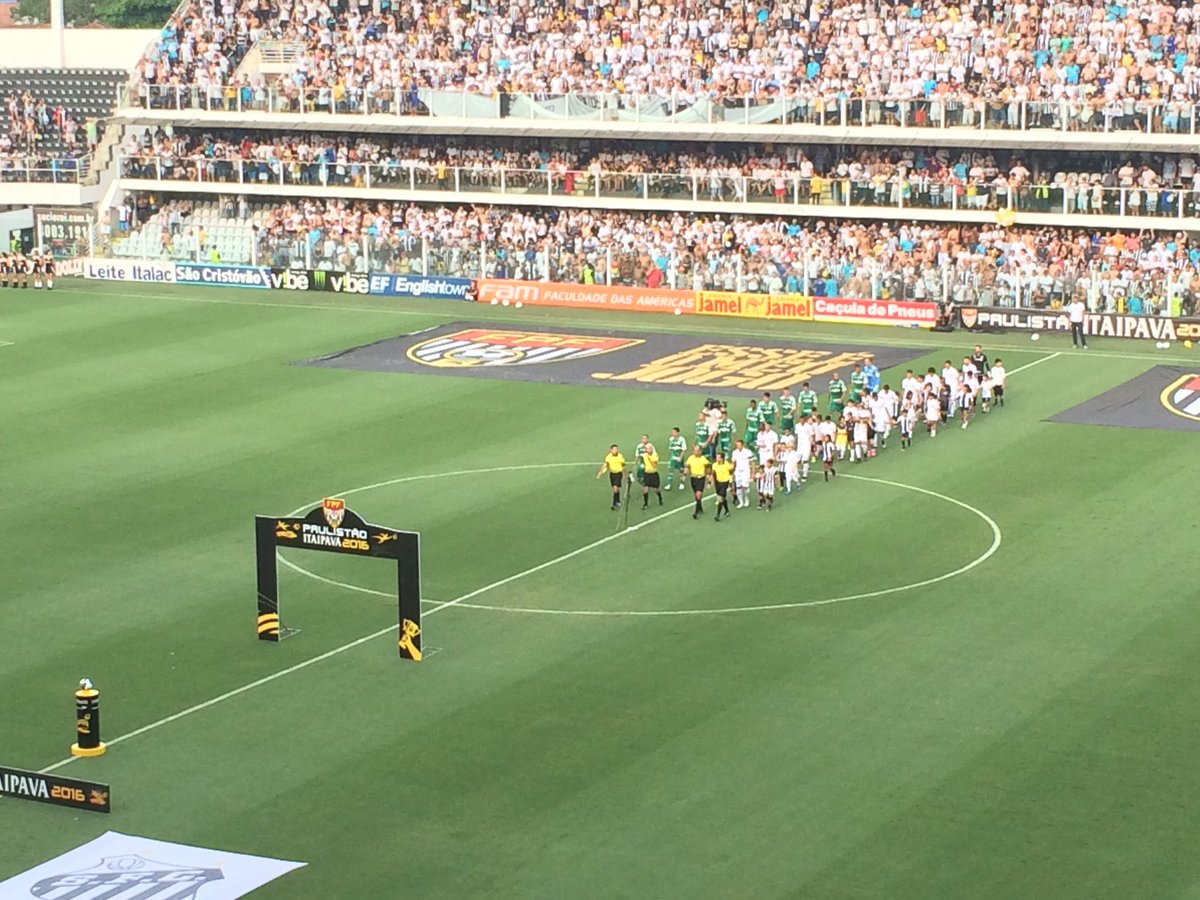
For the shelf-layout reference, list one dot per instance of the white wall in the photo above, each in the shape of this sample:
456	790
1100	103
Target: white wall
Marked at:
14	220
40	194
82	48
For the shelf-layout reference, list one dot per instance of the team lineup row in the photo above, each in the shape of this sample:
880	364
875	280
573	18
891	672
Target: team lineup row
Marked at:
769	460
16	269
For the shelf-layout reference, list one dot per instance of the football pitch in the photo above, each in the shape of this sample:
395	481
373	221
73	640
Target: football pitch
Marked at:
964	670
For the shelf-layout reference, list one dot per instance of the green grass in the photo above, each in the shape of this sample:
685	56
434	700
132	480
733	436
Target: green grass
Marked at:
1025	729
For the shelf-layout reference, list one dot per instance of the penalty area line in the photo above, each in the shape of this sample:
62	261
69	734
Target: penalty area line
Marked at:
391	629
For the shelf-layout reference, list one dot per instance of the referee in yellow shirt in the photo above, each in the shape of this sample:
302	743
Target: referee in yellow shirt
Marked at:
722	475
650	478
614	465
697	469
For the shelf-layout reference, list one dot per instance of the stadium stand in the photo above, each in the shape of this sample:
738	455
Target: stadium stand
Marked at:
1154	185
46	109
1124	271
1067	66
940	221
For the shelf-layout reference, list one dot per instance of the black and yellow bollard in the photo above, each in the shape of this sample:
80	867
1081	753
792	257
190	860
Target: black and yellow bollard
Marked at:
87	721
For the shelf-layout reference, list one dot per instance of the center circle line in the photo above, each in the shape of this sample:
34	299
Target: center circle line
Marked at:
997	539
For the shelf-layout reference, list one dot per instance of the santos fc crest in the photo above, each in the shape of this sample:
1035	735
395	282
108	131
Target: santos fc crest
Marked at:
1182	397
129	877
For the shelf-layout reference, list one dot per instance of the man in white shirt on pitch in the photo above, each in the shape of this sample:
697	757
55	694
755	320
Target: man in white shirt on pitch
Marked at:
806	436
742	458
891	401
766	441
1076	310
953	382
998	374
791	468
882	416
910	384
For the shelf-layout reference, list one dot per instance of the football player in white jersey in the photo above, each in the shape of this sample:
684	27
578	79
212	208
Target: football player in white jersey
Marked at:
910	384
891	400
882	418
933	414
953	382
742	459
967	395
859	432
766	441
998	376
932	383
985	393
908	419
806	438
791	468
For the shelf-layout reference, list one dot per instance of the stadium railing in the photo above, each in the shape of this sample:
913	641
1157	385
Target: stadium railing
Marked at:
909	195
1140	116
1163	292
49	171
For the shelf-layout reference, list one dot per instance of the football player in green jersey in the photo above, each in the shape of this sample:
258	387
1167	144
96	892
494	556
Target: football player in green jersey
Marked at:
837	395
640	469
704	436
726	429
858	383
769	409
753	417
807	398
787	409
676	451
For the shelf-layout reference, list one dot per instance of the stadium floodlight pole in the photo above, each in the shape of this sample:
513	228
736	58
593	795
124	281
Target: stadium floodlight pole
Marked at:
58	31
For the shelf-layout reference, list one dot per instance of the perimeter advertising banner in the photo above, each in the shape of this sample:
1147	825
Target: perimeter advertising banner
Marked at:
586	296
319	280
54	789
429	287
1146	328
905	313
793	307
223	276
149	271
377	285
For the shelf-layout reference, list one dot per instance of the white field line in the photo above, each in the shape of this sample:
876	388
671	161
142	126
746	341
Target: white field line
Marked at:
274	676
1036	362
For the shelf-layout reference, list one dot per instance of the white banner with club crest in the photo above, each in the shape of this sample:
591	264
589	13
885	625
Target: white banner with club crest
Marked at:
122	866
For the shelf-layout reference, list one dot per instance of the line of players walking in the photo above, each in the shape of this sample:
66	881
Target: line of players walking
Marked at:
860	418
17	269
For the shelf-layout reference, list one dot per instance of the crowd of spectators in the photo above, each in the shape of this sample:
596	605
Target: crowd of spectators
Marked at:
1097	182
1140	272
1104	59
40	142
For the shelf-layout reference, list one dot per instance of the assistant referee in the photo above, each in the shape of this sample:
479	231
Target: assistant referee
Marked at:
614	465
722	473
697	469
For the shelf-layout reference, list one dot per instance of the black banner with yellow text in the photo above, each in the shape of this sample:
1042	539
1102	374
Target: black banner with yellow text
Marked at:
333	528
